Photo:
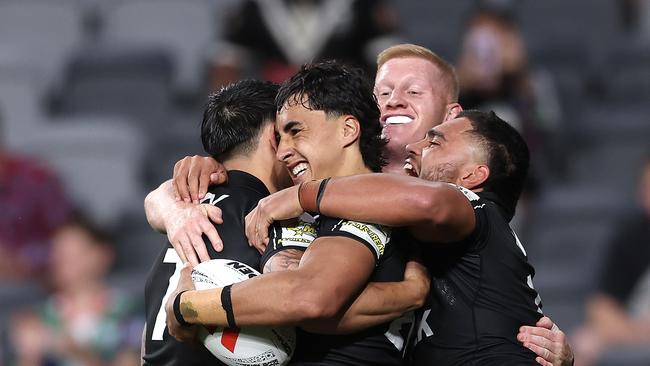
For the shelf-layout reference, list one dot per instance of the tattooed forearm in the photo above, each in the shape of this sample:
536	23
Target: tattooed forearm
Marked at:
284	260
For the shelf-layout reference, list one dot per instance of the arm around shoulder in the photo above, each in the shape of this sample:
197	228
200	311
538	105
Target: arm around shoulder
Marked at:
433	211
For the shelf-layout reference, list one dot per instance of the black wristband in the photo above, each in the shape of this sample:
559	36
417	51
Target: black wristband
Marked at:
177	310
321	191
226	303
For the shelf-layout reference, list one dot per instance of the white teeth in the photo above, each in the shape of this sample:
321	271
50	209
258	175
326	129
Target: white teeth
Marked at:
408	168
299	169
398	120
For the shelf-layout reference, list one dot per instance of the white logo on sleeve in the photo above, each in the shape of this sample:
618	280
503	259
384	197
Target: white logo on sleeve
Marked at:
469	194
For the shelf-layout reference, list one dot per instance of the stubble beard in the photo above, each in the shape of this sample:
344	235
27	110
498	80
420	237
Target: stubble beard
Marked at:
445	172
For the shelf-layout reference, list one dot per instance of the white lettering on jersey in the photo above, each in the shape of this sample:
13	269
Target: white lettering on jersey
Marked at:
159	326
393	333
210	198
424	330
375	235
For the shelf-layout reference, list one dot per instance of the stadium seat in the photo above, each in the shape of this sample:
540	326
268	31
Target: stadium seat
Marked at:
435	24
118	80
21	107
628	72
624	123
625	355
137	243
166	149
184	29
40	34
590	23
611	166
99	160
567	255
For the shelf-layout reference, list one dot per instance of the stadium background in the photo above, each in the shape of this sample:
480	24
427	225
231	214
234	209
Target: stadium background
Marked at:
108	94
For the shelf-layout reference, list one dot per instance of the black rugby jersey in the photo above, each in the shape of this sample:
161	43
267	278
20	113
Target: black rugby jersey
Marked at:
379	345
481	293
235	199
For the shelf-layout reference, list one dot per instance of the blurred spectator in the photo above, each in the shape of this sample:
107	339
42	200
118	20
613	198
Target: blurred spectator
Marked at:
619	312
32	206
280	35
494	74
635	16
83	322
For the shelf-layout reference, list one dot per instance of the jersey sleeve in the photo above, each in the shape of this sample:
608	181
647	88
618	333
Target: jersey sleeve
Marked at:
298	235
374	237
476	240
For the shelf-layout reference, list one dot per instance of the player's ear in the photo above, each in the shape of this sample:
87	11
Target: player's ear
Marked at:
269	133
475	176
452	111
351	130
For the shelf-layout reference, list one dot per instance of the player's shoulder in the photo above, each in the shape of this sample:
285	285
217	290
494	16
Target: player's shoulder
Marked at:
241	189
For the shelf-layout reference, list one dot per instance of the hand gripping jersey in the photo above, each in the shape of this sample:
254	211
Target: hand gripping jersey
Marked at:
379	345
235	199
481	293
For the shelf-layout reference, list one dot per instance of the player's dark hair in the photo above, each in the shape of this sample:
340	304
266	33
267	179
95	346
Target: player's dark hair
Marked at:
337	90
507	155
234	116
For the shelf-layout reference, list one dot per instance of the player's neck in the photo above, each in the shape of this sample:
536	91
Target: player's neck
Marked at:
260	168
351	164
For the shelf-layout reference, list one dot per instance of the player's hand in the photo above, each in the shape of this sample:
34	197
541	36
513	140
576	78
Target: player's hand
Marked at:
193	175
181	333
282	205
186	226
416	274
548	342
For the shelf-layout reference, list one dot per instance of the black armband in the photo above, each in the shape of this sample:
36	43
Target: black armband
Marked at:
226	303
177	310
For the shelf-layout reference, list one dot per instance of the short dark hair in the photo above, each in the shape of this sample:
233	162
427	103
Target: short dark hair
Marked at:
234	116
337	90
507	155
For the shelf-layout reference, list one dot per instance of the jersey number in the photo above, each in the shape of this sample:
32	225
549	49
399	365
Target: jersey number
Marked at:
159	327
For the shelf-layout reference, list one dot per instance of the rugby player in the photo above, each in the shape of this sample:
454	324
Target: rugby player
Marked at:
237	129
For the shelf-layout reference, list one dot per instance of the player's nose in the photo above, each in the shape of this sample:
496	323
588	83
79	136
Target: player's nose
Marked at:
396	100
414	148
284	151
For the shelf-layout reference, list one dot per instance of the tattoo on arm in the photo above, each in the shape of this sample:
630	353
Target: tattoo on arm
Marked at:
284	260
189	311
